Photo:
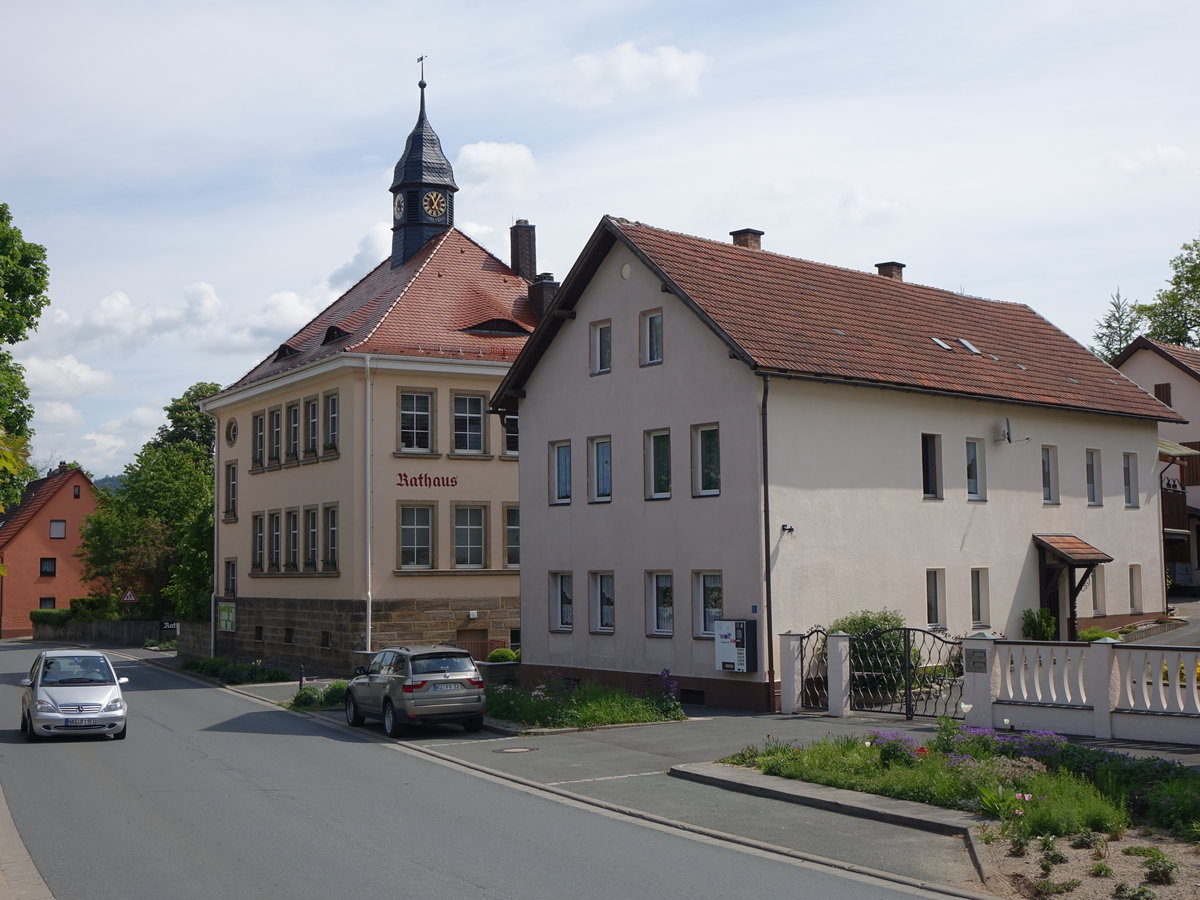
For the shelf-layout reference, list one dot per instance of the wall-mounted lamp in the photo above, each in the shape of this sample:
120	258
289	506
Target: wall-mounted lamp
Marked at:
787	529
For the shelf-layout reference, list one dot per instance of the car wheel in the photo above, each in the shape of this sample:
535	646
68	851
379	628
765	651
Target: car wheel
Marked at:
23	722
120	735
30	734
391	722
353	717
473	724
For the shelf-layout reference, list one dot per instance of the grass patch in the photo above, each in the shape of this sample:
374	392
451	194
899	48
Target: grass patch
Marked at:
567	703
1034	783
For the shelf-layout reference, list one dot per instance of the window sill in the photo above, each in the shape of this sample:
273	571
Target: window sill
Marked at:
416	454
602	631
931	498
600	500
655	497
307	573
560	503
1051	503
601	372
459	454
705	636
976	499
661	634
425	572
511	457
649	364
701	494
561	630
229	518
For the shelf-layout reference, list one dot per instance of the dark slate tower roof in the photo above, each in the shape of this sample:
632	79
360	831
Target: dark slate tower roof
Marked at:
422	191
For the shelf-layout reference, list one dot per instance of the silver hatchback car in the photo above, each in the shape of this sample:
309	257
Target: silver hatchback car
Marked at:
73	692
414	685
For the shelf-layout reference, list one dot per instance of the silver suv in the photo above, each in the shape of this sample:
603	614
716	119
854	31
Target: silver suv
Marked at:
412	685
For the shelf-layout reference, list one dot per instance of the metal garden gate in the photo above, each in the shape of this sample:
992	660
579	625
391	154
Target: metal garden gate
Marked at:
814	671
906	671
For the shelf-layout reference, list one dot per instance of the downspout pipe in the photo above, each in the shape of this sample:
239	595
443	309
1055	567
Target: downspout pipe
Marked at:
768	607
368	510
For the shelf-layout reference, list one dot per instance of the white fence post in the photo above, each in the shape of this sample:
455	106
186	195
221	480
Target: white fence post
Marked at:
791	679
838	670
1100	685
980	679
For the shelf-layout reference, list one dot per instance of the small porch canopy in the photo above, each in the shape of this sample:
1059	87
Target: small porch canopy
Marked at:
1065	552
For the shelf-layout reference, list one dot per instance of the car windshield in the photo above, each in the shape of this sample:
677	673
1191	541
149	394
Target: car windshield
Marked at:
77	670
442	662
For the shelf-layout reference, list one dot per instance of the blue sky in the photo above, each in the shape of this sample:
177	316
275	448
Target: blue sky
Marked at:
206	177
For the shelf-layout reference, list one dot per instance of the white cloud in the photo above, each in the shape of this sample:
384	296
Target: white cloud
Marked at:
375	246
55	415
65	377
600	79
856	209
1157	159
475	229
487	168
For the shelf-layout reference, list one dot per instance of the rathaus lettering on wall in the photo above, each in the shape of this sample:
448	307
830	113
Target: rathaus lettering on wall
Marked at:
403	479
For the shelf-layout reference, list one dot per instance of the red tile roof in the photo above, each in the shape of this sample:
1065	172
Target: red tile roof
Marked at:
36	495
1071	549
787	315
425	308
1185	358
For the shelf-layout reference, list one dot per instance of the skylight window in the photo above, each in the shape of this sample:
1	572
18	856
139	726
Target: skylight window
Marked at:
1021	367
941	343
970	346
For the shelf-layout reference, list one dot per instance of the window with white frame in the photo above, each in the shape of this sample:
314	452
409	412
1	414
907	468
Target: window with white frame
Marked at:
469	529
931	466
273	534
332	547
935	596
311	537
976	480
260	438
652	337
979	597
1135	588
1096	588
512	435
1049	473
312	409
600	469
1091	464
601	355
603	607
562	609
658	464
275	435
292	439
231	485
331	421
660	603
292	527
1130	477
416	422
710	602
468	423
257	541
512	536
416	537
560	472
706	460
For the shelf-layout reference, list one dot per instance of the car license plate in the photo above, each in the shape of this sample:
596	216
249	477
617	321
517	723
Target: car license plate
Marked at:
449	686
81	721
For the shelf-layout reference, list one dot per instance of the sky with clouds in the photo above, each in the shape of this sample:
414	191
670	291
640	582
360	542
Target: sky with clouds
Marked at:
206	177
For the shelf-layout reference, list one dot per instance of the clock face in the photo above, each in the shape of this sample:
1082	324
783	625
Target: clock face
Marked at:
231	432
434	204
398	206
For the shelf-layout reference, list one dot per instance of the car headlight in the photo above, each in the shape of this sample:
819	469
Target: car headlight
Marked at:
115	705
45	706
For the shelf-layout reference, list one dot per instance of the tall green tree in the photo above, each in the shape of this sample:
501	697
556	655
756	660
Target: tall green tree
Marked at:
154	534
24	280
1120	325
1174	315
186	421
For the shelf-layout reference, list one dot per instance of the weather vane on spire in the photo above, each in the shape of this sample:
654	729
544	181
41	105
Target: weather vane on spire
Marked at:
421	59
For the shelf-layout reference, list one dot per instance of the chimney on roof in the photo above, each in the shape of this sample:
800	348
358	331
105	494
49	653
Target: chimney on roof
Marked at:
893	270
523	249
750	238
541	293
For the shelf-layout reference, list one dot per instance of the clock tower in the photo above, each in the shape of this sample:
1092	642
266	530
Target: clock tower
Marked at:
422	191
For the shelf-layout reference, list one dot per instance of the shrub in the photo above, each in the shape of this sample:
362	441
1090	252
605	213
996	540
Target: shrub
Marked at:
502	655
334	694
307	697
51	616
1101	870
1039	625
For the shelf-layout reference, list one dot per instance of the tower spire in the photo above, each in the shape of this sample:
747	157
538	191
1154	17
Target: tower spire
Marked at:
422	189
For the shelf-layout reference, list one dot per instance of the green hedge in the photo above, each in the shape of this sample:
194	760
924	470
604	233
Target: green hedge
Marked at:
51	616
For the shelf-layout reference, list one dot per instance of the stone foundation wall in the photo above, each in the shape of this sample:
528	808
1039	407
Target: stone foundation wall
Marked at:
327	637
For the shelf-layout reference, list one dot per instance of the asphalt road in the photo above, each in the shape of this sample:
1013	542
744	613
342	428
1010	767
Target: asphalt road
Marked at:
219	795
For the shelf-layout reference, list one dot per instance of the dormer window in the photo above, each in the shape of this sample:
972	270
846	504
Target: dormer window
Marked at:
284	351
497	327
333	333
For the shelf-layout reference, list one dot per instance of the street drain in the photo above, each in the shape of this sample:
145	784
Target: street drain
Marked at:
515	750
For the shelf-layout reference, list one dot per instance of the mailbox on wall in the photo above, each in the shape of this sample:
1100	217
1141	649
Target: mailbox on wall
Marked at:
736	645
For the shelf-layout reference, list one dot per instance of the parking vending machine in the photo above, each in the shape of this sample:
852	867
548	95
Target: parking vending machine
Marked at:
737	645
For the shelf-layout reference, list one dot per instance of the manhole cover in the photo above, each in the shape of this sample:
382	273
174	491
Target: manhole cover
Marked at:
515	750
